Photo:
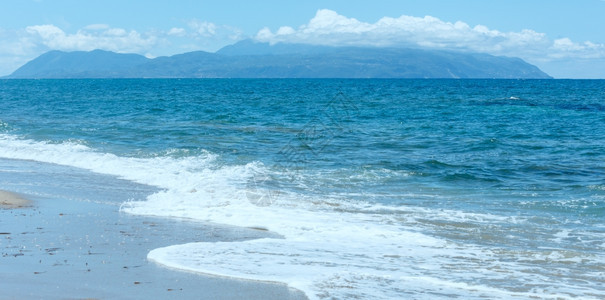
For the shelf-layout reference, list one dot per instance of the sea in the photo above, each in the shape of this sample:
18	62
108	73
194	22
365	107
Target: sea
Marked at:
374	188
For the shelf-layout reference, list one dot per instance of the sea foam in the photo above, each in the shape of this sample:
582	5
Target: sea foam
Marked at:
330	249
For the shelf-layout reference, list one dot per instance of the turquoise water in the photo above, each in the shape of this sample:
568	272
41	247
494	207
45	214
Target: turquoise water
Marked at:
381	188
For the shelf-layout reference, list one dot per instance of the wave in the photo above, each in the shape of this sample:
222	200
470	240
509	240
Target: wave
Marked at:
331	248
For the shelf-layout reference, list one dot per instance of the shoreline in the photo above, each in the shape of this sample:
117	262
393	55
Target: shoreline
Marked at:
10	200
72	242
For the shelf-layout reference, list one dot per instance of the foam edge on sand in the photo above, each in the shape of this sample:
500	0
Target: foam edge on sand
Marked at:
11	200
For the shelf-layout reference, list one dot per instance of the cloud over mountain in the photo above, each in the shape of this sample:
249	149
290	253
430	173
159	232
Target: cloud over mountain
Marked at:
96	36
330	28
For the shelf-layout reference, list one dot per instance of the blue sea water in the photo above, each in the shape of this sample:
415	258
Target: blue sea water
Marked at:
380	188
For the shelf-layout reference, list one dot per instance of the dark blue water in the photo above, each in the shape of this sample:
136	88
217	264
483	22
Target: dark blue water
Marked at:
511	170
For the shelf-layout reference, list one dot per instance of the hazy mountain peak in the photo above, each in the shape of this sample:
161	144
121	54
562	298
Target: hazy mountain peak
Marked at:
250	59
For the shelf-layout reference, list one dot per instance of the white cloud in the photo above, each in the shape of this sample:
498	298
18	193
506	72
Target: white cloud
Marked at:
565	47
102	37
203	28
177	31
285	30
331	28
207	36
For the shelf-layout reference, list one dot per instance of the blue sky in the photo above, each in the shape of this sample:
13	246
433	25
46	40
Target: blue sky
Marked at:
564	38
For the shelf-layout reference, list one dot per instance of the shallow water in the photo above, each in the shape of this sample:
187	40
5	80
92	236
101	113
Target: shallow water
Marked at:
73	243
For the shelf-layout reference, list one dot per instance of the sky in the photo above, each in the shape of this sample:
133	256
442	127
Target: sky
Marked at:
564	38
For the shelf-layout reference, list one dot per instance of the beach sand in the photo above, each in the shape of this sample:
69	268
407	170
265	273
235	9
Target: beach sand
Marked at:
75	243
10	200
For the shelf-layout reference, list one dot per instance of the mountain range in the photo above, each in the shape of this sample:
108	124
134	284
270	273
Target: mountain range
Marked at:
249	59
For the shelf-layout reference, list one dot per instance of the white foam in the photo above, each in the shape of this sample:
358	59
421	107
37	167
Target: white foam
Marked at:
332	248
164	172
559	236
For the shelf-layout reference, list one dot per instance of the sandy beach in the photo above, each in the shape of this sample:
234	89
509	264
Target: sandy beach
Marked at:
10	200
75	243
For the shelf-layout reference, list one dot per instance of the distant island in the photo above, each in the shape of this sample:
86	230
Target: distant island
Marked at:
249	59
